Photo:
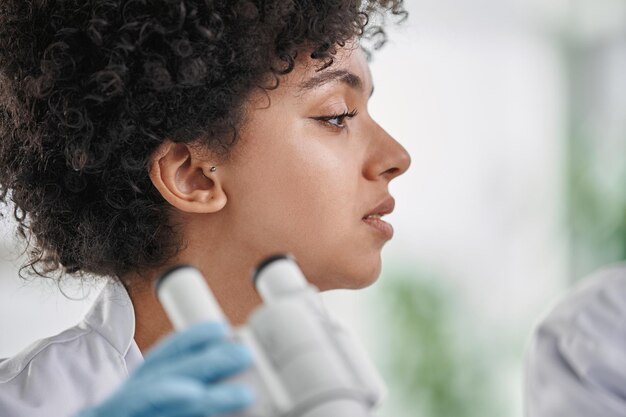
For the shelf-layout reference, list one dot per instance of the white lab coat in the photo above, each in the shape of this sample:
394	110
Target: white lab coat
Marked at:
59	375
576	361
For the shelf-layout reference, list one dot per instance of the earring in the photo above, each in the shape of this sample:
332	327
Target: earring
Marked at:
213	169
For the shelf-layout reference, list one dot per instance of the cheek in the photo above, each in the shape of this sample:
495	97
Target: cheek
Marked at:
304	198
327	236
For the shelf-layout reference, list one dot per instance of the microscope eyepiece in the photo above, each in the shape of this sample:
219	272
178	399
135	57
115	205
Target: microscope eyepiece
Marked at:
186	297
167	274
265	262
279	276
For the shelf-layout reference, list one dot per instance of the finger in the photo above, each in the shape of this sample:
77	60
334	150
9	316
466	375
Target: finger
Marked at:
194	338
224	398
208	365
180	397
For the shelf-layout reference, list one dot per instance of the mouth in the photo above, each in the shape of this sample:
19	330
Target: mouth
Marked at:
374	217
381	226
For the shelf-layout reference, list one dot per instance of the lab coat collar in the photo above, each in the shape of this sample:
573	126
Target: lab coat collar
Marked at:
112	315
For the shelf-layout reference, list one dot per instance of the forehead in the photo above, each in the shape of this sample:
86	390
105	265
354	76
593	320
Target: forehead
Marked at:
305	77
349	66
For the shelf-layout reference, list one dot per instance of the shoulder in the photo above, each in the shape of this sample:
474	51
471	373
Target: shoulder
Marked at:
576	361
58	375
39	351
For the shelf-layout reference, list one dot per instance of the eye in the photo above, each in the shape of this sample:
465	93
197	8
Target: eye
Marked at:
336	120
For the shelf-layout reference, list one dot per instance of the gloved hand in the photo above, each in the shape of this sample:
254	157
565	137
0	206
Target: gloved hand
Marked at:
179	378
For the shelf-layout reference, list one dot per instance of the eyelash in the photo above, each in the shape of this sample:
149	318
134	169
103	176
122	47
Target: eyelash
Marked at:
326	119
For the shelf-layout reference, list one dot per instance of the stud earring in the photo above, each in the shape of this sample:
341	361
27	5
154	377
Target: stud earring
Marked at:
213	169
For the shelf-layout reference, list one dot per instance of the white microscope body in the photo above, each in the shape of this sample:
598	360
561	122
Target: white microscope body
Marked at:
305	363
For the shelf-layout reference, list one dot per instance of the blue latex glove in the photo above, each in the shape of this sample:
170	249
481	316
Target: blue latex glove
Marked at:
179	378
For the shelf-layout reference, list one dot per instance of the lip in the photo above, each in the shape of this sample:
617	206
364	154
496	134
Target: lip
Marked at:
385	207
381	226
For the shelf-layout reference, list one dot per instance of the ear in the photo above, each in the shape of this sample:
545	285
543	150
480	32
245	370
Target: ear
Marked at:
183	177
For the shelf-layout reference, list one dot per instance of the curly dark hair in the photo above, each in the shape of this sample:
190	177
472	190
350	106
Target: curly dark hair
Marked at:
89	89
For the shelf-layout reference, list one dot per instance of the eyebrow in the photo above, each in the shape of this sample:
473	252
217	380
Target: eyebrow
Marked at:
341	75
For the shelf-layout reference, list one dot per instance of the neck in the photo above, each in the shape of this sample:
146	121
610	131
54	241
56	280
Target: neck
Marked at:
229	281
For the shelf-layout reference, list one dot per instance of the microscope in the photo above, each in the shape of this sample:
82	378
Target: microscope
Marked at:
305	363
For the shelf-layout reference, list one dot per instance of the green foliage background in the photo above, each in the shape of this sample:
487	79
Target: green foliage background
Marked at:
433	358
596	203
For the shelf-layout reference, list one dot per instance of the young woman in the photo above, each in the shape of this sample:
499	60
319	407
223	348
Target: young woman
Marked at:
137	135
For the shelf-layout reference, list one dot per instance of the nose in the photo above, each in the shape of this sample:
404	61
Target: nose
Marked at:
387	158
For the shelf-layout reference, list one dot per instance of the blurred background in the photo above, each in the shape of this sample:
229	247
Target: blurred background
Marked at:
514	113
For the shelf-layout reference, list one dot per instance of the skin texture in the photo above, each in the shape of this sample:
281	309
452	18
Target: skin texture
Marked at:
293	184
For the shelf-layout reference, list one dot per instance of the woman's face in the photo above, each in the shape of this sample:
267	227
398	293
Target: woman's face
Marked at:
302	184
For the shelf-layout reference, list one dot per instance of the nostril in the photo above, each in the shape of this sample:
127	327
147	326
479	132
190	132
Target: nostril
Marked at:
394	171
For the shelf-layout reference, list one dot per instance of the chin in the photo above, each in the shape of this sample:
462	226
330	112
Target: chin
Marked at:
351	279
363	283
341	270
